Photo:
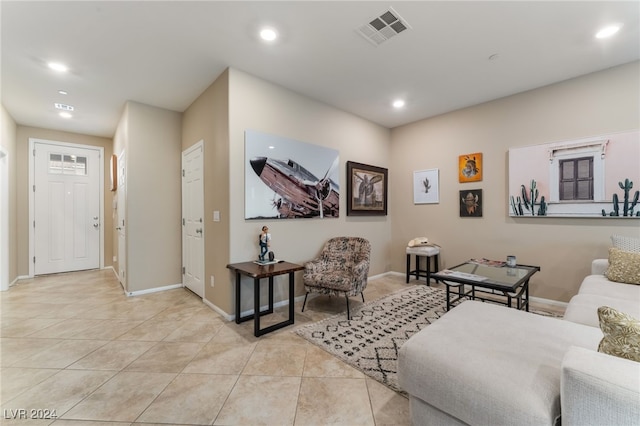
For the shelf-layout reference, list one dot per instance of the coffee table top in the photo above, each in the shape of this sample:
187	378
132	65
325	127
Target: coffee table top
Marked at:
497	277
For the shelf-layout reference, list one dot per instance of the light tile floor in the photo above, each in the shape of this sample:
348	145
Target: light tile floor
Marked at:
74	345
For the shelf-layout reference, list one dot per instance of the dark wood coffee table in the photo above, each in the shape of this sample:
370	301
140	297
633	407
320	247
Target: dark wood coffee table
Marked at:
257	272
507	283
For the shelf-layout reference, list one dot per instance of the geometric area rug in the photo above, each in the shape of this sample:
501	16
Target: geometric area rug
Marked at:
370	341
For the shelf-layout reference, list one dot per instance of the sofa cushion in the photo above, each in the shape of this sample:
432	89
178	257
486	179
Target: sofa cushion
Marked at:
626	243
583	308
621	334
600	285
624	266
489	364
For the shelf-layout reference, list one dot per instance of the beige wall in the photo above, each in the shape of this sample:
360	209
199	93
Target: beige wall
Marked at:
207	119
22	198
599	103
259	105
153	196
8	141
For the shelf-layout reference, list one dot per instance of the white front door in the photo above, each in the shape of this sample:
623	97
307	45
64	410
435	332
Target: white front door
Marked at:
192	219
121	223
67	214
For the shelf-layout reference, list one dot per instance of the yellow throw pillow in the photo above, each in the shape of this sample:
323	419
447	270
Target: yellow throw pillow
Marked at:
621	334
624	266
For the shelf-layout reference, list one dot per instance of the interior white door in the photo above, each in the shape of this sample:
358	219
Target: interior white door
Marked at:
66	208
192	219
120	221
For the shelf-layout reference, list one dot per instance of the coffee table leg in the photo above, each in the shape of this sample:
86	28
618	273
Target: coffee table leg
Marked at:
448	296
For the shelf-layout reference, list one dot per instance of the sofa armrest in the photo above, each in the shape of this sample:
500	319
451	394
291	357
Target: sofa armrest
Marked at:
599	389
599	266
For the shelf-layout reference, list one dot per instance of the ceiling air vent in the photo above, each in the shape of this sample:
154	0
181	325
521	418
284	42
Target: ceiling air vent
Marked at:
382	28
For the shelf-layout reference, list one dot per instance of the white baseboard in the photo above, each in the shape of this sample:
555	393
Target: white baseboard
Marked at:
226	316
153	290
230	317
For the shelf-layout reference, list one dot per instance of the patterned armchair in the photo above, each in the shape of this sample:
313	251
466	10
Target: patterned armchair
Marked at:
342	268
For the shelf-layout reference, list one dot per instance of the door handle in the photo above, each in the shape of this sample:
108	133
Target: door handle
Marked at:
199	231
118	228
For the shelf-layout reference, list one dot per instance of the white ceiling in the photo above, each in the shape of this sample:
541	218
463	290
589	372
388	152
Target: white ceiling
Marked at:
165	54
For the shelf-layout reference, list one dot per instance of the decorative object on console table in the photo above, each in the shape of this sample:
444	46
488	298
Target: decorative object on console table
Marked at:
366	190
470	167
425	187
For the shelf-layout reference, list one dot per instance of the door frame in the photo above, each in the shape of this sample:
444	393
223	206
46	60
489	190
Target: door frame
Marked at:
4	219
32	195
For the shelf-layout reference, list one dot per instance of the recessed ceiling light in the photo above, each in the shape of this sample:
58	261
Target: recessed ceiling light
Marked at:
57	66
268	34
65	115
398	103
608	31
63	92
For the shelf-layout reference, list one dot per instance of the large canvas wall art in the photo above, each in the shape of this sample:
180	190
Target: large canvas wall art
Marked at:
289	179
591	177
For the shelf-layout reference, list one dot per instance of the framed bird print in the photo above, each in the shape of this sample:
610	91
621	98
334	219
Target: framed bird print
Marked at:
425	187
470	167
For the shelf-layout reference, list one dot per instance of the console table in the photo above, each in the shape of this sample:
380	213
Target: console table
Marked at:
257	272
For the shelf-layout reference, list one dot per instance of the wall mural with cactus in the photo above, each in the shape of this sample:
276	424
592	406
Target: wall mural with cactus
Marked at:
576	178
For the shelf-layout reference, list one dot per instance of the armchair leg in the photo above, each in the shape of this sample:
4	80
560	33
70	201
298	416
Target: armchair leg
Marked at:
362	294
305	301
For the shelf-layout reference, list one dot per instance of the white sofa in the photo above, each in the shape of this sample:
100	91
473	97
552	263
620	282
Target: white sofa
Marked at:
483	364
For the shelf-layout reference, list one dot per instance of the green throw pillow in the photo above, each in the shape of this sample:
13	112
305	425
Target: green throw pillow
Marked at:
624	266
621	334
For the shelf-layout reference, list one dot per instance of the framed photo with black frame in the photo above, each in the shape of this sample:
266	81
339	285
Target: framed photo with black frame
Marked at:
366	190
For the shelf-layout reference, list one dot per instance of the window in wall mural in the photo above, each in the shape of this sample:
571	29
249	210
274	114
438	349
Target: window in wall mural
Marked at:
591	177
288	179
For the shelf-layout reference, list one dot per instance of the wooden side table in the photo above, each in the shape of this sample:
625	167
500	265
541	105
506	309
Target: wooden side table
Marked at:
257	272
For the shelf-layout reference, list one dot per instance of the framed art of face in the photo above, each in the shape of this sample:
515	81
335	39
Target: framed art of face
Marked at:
470	167
471	203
